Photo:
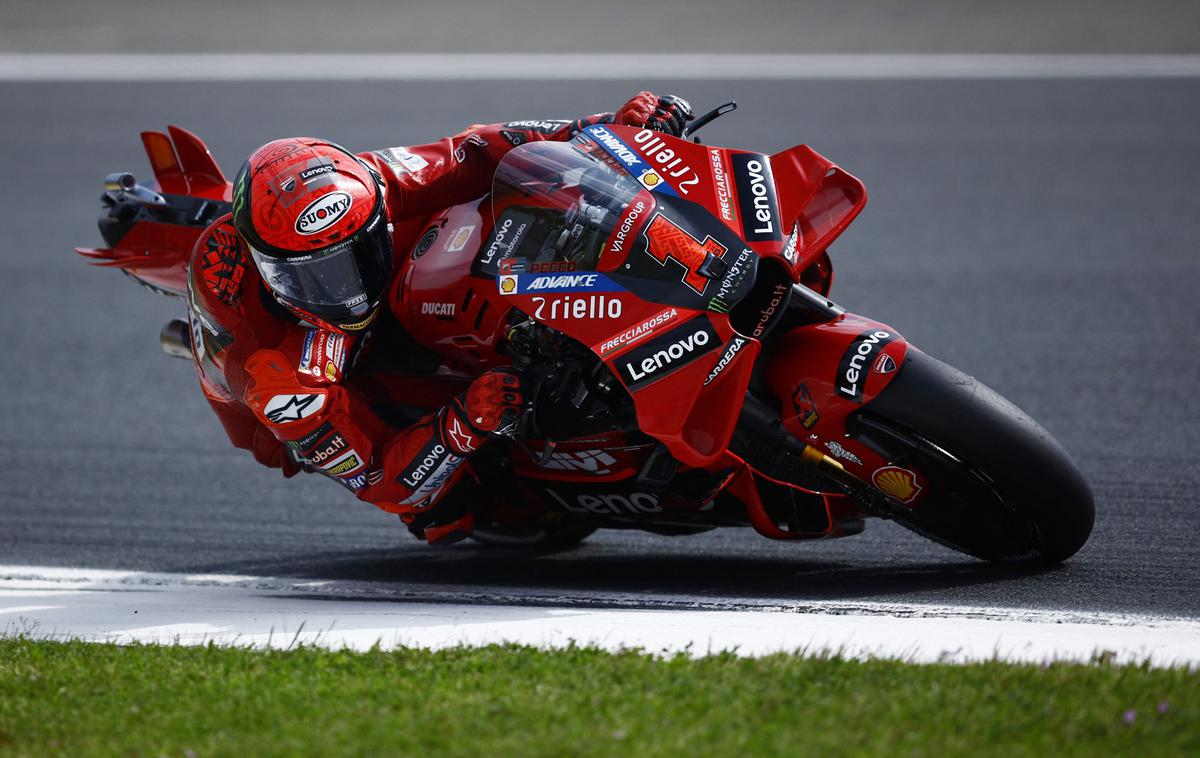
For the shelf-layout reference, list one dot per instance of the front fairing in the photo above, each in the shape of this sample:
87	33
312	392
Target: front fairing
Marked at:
596	243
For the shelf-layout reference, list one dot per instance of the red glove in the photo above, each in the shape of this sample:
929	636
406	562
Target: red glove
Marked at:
667	114
490	407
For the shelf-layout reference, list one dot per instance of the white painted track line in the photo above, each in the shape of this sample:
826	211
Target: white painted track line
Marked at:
124	607
451	67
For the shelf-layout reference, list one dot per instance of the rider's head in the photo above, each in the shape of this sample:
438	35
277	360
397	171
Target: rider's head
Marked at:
313	216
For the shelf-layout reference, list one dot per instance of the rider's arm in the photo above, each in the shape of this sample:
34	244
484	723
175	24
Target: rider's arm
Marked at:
329	425
425	179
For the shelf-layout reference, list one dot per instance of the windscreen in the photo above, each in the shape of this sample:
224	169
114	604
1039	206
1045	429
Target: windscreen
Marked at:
553	203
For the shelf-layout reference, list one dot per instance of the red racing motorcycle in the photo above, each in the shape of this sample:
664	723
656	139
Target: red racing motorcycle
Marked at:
667	303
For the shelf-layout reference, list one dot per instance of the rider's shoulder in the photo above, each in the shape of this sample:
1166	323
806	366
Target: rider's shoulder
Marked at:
220	272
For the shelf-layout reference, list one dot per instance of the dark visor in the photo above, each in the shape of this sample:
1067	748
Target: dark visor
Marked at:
343	280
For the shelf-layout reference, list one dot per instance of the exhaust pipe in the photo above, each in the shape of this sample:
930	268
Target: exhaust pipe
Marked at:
176	339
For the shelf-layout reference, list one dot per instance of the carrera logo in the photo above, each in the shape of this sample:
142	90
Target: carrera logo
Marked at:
756	196
726	358
789	247
323	212
673	350
852	371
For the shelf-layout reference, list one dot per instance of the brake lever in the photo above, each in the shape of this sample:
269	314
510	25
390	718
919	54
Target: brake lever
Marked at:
701	121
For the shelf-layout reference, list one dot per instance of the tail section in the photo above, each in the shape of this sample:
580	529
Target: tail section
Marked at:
150	230
183	165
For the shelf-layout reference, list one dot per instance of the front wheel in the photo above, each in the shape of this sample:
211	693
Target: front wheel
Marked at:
1000	487
556	537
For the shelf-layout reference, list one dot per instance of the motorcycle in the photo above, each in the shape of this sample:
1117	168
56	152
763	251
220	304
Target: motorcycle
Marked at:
667	303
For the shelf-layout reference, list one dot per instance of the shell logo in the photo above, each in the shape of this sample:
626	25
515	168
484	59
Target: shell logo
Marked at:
651	178
508	284
897	482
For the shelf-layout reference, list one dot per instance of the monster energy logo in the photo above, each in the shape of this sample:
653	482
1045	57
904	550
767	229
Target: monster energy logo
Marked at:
239	194
717	305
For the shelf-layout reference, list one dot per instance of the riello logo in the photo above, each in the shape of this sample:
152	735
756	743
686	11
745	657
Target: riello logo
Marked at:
323	212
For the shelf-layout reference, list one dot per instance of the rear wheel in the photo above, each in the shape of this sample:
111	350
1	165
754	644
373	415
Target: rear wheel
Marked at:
999	486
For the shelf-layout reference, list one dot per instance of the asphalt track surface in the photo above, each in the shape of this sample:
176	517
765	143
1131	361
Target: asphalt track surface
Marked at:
1041	235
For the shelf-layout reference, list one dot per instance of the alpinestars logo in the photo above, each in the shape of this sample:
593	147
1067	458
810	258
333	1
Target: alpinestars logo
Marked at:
284	409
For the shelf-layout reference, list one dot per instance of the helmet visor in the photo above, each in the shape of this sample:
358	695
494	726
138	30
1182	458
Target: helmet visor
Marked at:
339	282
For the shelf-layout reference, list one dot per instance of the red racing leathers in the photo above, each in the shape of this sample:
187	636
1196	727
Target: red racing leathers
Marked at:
291	393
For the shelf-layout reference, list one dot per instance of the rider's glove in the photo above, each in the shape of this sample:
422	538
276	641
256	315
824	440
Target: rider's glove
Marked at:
667	114
491	407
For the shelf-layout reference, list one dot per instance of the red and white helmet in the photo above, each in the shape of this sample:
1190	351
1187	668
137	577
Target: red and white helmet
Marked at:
313	216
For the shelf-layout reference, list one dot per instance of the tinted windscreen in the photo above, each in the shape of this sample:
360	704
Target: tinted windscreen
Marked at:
552	202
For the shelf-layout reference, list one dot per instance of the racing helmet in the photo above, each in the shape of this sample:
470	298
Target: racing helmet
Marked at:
313	215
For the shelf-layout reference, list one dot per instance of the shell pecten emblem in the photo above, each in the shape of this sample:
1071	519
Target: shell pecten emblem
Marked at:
897	482
508	284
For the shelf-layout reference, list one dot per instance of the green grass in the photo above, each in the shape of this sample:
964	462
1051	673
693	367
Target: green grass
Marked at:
76	698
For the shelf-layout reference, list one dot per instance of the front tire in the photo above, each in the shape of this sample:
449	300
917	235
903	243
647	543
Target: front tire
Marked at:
556	537
1000	487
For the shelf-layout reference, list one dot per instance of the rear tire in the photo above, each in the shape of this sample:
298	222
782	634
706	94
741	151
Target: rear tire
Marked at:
1000	487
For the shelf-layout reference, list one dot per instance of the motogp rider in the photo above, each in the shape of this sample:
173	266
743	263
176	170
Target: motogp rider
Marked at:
291	290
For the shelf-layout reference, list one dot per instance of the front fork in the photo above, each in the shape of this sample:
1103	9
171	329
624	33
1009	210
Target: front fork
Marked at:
822	365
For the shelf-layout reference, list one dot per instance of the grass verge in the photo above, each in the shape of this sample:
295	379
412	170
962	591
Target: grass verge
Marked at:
77	698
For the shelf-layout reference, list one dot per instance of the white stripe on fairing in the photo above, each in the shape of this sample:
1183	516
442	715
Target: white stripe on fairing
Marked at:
98	605
581	66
